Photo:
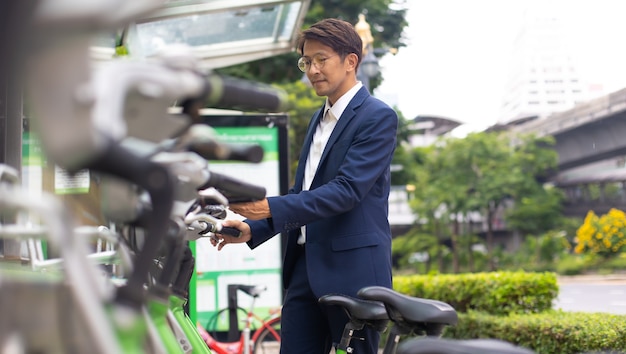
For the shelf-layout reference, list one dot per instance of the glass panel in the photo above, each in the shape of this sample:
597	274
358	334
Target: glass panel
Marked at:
105	40
267	24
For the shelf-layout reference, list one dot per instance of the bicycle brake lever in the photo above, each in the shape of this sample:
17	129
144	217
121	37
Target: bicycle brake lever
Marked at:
212	196
212	224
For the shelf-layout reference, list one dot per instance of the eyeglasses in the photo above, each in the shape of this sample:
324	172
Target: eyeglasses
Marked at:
304	63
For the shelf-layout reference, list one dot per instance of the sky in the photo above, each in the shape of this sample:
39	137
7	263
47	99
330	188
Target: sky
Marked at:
456	62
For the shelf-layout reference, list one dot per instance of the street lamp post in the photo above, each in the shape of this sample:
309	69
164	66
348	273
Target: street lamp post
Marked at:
369	64
368	69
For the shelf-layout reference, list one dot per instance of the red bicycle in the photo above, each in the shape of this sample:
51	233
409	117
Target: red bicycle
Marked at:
258	336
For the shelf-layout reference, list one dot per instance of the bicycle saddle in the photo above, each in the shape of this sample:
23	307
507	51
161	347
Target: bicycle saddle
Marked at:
411	311
252	290
451	346
363	312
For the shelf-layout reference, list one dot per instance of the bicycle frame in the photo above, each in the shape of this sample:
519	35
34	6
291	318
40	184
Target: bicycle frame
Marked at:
131	334
198	346
156	311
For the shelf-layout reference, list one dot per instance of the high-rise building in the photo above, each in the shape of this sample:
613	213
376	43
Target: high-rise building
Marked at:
543	75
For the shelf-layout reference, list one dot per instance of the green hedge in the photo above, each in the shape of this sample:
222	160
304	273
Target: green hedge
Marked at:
497	293
550	332
517	307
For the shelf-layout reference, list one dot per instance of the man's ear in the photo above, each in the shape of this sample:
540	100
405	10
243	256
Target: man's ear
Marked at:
352	60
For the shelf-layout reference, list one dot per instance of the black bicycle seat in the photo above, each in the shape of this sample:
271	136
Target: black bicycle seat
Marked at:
450	346
370	313
404	309
252	290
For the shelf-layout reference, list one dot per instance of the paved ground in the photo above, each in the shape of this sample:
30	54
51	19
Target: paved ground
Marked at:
593	279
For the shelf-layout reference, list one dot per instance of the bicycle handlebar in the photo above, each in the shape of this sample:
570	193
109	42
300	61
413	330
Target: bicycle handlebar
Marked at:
194	171
226	92
204	141
213	225
233	189
226	151
102	108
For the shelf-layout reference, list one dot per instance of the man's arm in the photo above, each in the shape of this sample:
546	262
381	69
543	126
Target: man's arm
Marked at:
256	210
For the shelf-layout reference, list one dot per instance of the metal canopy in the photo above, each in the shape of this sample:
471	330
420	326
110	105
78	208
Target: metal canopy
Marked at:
221	32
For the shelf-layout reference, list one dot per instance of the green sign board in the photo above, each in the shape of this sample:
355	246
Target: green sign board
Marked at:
237	264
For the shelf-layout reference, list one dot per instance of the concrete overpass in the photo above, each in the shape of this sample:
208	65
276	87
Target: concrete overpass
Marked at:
591	132
591	142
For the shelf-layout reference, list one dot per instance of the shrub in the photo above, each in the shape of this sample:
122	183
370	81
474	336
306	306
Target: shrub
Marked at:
495	293
604	235
551	332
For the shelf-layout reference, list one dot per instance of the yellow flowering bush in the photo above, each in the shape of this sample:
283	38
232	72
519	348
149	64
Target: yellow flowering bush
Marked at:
603	235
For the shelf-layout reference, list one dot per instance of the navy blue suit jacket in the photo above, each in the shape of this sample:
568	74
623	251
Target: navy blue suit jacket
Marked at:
348	243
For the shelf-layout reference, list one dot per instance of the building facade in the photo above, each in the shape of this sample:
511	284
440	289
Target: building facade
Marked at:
543	77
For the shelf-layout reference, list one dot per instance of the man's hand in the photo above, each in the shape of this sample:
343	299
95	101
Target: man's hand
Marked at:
253	210
221	240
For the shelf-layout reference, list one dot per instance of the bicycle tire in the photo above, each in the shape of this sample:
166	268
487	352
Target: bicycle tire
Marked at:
268	339
211	325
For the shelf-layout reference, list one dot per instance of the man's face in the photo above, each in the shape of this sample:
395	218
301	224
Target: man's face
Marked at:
329	75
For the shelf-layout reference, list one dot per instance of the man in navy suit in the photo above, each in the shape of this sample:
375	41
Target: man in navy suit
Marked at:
336	213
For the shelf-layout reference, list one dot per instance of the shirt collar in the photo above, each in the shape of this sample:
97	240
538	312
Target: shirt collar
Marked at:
343	101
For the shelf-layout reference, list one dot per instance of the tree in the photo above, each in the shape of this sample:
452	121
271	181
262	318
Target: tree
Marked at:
537	206
492	179
485	173
428	200
454	185
405	248
404	159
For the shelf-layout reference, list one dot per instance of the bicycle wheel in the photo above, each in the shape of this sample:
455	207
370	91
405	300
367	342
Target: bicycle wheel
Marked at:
212	326
267	341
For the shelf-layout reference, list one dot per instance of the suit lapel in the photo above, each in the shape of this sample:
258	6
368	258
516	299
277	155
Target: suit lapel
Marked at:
346	117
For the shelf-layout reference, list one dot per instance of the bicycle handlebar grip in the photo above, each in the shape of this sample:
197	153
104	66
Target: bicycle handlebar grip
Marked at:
225	151
233	189
233	93
230	231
